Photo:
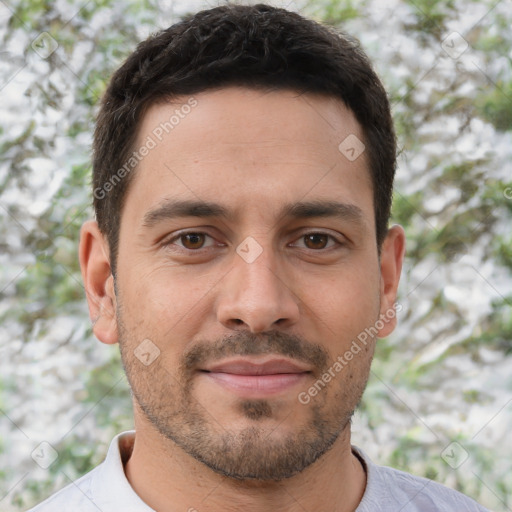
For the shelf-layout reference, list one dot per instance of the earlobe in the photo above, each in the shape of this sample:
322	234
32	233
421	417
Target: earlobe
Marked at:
391	260
98	282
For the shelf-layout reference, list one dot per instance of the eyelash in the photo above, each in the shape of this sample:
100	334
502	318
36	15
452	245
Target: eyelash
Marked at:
171	241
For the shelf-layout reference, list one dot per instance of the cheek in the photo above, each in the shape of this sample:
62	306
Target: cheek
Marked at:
163	302
342	311
348	298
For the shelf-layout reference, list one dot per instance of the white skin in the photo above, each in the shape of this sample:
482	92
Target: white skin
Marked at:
201	444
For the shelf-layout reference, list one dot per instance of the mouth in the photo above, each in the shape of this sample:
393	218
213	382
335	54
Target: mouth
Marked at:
252	378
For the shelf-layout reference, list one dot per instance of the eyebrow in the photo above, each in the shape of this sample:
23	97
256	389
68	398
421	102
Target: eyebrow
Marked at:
171	209
311	209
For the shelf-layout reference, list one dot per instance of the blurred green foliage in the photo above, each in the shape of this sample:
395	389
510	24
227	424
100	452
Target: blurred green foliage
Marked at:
473	221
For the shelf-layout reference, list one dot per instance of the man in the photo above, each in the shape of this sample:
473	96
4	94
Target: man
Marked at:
243	171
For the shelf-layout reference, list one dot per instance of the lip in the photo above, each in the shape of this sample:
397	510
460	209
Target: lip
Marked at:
245	366
253	378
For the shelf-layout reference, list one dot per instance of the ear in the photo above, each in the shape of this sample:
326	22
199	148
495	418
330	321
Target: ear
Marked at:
391	259
98	282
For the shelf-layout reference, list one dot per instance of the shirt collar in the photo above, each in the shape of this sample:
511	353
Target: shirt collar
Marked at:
110	488
112	491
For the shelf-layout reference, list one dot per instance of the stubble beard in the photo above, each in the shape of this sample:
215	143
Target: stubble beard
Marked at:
254	452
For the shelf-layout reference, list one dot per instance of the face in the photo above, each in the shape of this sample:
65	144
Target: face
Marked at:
247	267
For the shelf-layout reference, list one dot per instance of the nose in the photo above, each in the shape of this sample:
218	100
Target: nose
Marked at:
257	296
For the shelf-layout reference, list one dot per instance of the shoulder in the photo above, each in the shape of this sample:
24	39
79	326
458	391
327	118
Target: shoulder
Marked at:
76	496
389	489
104	489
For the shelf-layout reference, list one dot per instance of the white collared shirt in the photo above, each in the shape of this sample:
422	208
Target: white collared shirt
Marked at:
106	489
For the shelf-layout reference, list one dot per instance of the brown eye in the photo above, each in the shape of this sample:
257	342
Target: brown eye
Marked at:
192	240
316	240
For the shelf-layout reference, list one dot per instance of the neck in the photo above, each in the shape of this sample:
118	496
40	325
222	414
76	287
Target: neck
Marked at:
168	479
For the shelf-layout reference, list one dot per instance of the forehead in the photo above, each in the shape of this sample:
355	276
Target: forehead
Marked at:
238	114
253	146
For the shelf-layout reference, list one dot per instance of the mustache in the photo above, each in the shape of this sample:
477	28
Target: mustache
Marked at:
245	343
